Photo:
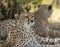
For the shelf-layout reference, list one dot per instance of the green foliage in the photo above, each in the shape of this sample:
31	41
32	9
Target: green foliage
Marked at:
37	2
17	5
23	2
1	17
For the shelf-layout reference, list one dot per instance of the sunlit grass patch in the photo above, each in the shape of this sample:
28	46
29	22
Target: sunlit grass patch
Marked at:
47	2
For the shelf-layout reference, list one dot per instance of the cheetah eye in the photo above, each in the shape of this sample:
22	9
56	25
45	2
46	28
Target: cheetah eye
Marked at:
49	7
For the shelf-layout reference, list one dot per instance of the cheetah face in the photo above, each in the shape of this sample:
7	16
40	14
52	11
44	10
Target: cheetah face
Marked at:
28	22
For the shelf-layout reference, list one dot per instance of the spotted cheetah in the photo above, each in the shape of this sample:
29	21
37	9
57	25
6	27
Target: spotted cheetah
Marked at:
16	30
47	23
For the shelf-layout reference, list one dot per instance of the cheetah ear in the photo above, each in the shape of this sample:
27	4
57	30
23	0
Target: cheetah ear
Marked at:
16	16
50	7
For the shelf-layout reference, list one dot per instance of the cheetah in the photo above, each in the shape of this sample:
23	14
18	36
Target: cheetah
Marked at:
47	23
16	30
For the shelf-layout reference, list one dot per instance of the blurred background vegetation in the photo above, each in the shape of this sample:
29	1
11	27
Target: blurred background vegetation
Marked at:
9	7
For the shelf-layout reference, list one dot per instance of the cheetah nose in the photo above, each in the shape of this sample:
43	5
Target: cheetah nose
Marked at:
3	36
